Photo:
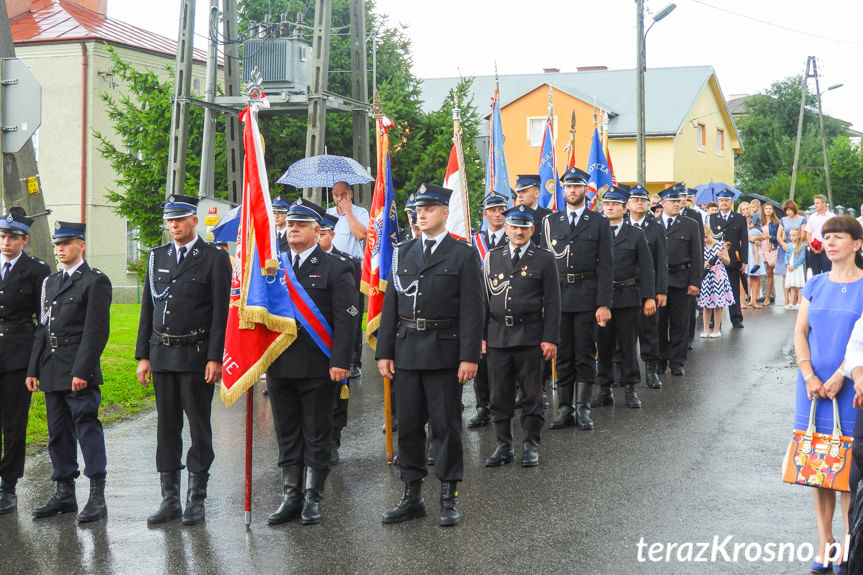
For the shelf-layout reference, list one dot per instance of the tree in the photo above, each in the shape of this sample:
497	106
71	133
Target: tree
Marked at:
846	173
139	152
769	131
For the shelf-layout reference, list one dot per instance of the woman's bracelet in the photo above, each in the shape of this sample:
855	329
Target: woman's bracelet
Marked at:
802	359
808	377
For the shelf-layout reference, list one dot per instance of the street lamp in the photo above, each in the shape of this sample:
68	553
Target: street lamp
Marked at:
641	65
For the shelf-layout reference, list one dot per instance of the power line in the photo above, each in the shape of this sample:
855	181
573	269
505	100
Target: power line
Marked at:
780	26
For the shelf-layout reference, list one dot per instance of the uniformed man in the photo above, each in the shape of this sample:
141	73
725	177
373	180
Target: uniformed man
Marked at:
527	189
582	245
280	210
523	328
688	209
411	231
181	340
305	379
73	331
735	233
340	411
493	207
684	281
634	295
648	328
430	337
21	279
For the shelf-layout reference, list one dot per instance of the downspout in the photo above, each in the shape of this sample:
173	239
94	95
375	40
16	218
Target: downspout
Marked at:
84	90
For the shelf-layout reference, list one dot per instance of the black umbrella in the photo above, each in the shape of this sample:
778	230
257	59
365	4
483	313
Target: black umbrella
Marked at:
761	198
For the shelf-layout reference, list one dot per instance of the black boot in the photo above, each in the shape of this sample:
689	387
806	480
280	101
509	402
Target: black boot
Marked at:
449	504
582	405
292	500
195	496
8	499
96	507
63	501
565	411
315	479
481	418
503	453
605	397
530	453
334	449
632	399
170	508
652	377
412	505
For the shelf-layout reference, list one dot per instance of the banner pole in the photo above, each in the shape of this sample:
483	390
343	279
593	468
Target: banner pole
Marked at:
250	402
388	420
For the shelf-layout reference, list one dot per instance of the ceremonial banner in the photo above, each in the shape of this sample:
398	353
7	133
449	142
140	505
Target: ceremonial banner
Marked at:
261	322
382	236
496	175
551	192
599	177
458	221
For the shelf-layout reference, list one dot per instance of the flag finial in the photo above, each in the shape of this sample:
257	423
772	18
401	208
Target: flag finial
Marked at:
377	107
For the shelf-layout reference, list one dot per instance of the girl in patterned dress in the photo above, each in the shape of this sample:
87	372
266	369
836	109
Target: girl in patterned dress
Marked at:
715	287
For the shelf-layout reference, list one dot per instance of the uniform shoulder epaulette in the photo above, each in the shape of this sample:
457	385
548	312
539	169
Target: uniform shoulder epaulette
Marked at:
38	261
96	271
340	257
499	247
465	242
405	242
167	246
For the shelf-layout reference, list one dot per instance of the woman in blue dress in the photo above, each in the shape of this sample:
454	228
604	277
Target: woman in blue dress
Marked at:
832	302
792	219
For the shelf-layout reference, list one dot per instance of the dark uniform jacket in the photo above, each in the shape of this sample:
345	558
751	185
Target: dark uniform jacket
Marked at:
541	213
523	303
655	235
356	264
684	253
734	232
449	288
696	216
584	259
189	311
329	281
19	311
504	239
634	279
282	238
73	329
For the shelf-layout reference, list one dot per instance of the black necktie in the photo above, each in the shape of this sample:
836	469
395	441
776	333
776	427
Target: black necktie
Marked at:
574	220
668	223
428	251
491	242
615	228
182	255
515	256
64	279
296	263
6	267
637	225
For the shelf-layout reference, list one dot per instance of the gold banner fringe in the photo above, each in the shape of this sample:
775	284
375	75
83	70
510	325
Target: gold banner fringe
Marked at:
281	343
346	392
372	326
270	267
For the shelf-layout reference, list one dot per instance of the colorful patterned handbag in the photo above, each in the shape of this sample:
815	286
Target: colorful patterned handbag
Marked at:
819	459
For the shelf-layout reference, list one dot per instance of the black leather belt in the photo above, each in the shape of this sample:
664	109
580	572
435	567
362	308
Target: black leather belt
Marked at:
421	324
55	341
511	320
624	283
678	267
198	336
572	278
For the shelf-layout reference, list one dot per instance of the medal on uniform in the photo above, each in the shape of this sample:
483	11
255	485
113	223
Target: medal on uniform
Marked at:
554	242
494	282
524	271
500	276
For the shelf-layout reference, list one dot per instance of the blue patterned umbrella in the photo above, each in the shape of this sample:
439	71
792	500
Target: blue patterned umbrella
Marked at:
226	229
324	172
707	192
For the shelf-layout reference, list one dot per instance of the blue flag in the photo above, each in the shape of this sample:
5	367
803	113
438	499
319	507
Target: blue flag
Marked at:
599	176
551	192
496	175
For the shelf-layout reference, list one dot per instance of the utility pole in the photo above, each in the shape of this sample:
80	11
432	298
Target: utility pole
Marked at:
317	118
233	135
360	92
811	72
19	177
206	183
639	88
180	108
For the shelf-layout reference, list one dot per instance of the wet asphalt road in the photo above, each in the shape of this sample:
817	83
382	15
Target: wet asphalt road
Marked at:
701	459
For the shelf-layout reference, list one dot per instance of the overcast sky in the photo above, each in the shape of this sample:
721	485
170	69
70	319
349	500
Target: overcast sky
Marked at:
750	44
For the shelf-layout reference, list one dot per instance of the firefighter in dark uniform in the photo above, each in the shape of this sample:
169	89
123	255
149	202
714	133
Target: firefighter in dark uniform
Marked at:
684	281
527	189
522	330
634	291
648	331
21	279
304	381
181	340
581	242
493	207
75	311
688	195
430	337
340	410
280	211
735	233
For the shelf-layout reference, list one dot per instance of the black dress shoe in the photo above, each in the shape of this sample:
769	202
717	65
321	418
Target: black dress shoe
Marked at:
503	454
530	455
738	325
412	505
8	499
632	399
678	370
481	419
565	418
604	398
63	501
292	496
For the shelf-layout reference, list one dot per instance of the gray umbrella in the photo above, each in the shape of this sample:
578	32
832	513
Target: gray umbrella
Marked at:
324	172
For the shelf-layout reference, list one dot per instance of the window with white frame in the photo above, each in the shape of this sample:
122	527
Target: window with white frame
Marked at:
133	244
701	135
720	141
535	128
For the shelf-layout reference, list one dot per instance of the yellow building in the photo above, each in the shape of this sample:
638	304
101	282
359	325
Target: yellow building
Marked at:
64	44
690	134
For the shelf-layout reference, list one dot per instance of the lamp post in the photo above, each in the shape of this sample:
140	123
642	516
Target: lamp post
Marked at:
824	141
641	65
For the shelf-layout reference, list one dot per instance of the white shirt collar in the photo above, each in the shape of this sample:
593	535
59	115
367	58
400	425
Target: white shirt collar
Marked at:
74	268
303	255
640	222
576	211
13	261
437	239
187	245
